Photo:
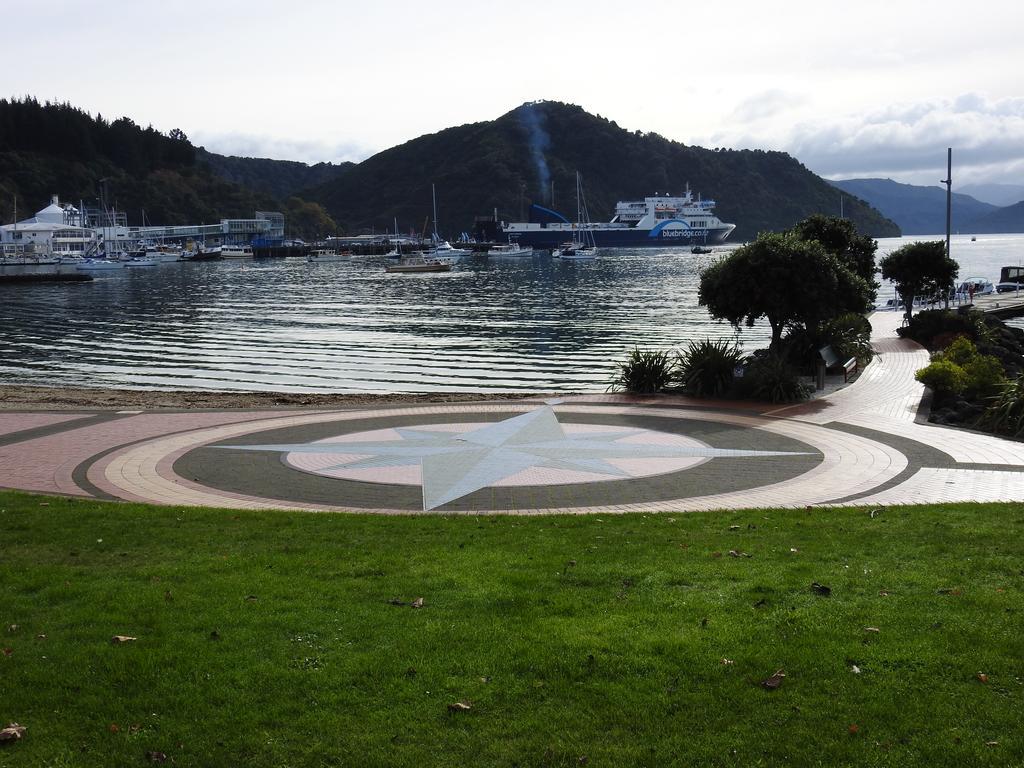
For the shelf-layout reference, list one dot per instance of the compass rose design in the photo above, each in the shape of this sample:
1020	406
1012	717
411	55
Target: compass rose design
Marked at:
456	464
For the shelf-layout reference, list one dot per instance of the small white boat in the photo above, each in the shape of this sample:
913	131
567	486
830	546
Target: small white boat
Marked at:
319	255
236	252
164	253
582	245
419	264
976	286
91	265
444	248
510	249
575	252
141	263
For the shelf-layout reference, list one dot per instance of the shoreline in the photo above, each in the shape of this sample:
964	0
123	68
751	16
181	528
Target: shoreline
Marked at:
17	397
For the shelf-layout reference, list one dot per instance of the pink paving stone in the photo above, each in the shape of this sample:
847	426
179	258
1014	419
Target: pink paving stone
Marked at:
45	464
18	422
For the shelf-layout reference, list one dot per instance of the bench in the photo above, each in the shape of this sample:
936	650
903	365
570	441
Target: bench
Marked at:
833	363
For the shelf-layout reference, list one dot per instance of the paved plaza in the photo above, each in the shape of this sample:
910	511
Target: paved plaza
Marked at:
864	443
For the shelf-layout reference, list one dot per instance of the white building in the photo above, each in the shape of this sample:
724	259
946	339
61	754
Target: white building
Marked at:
50	231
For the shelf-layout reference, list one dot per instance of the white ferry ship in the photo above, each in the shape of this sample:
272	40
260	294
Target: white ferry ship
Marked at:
659	221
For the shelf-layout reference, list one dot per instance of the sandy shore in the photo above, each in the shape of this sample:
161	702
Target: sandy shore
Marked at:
14	397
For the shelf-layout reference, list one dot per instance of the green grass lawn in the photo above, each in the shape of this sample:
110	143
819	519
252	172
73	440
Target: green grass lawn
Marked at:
281	639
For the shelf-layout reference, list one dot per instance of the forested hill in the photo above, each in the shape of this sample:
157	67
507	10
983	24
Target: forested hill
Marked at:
278	178
48	149
509	162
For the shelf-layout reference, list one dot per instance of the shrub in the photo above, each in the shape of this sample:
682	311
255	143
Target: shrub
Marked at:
769	377
705	368
944	377
933	327
644	372
1006	413
983	374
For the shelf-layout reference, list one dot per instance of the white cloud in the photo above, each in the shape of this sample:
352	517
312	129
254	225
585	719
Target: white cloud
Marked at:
908	141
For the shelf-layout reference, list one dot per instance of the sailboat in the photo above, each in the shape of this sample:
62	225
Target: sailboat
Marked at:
582	244
442	248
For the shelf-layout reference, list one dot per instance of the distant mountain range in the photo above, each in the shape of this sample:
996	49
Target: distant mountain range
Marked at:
995	194
530	154
922	210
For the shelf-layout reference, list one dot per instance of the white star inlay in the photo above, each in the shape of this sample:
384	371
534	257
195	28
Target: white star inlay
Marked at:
454	465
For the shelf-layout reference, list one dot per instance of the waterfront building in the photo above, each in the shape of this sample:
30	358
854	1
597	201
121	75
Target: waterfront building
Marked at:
55	230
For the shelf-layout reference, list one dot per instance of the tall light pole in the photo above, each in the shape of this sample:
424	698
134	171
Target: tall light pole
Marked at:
948	181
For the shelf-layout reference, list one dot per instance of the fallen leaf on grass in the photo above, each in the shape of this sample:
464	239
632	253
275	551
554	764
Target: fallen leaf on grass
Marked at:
118	639
8	651
854	729
872	629
737	553
982	677
734	527
134	728
156	757
417	603
774	681
12	628
114	728
883	593
251	598
821	589
727	661
855	669
460	706
40	637
794	550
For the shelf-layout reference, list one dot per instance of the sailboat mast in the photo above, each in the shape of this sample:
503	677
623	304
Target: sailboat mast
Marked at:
433	197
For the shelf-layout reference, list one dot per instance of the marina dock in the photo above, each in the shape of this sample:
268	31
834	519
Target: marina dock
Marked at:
1001	305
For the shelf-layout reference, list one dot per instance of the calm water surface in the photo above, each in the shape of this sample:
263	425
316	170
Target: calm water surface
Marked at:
492	324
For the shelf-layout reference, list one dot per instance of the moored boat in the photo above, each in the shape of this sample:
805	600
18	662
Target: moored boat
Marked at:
93	265
236	252
419	264
510	249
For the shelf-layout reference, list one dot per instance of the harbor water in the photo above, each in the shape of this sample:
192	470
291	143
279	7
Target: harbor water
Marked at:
493	324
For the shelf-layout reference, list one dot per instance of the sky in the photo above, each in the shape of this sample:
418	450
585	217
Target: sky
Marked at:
851	89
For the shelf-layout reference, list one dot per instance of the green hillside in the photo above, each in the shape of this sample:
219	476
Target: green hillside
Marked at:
48	149
509	162
280	179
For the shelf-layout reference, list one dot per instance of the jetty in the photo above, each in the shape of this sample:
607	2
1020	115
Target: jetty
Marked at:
1001	305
